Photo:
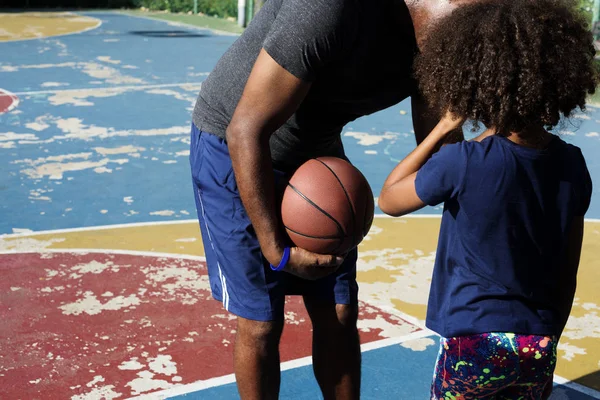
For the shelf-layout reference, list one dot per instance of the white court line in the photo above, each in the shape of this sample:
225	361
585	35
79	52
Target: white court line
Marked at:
99	227
297	363
305	361
132	87
411	216
182	221
61	34
594	394
300	362
109	251
408	318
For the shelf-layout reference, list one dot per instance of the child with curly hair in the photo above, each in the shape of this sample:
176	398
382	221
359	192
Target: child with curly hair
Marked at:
514	197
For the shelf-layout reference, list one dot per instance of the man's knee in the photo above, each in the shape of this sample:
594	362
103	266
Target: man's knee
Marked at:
259	332
329	316
347	315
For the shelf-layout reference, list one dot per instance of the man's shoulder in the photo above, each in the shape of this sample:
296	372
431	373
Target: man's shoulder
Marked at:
331	6
317	17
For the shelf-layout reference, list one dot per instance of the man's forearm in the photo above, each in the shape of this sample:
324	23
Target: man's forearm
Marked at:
253	170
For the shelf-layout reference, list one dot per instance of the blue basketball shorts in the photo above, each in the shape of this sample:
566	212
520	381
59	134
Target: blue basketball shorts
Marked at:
239	275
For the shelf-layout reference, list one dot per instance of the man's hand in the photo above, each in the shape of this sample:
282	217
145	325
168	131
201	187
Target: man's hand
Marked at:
312	266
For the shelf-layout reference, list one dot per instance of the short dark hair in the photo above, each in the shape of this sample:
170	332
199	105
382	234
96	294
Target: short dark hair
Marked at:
509	64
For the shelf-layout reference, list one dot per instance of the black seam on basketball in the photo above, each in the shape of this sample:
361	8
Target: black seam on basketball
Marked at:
315	237
347	198
312	203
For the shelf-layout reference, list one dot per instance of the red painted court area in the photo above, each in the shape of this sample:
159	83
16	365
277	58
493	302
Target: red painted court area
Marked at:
118	325
8	101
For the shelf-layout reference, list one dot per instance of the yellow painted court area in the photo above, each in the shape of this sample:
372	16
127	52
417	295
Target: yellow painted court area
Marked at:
395	265
32	25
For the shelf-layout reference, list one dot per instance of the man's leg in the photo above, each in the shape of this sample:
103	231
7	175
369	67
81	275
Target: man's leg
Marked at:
238	277
336	348
256	359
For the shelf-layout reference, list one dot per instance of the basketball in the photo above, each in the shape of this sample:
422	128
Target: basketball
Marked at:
327	206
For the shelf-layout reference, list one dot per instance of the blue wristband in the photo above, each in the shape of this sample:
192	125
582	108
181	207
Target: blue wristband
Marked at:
284	260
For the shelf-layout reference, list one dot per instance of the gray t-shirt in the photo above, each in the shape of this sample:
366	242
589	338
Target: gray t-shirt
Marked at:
358	54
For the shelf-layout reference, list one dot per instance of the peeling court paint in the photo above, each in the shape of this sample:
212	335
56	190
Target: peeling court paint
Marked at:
368	139
26	244
93	69
108	59
391	327
90	304
54	167
103	392
419	344
108	326
54	84
163	213
129	149
131	324
145	382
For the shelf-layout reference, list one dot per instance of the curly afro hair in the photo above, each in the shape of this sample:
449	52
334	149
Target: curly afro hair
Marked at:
509	64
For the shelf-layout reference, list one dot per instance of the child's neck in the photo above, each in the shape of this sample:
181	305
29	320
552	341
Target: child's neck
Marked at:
533	137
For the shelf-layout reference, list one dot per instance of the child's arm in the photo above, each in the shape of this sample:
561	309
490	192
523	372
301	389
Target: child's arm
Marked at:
398	195
568	272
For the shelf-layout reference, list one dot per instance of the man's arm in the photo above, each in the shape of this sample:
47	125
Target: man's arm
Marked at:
270	97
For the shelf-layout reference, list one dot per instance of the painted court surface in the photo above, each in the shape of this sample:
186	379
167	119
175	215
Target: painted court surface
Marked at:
104	292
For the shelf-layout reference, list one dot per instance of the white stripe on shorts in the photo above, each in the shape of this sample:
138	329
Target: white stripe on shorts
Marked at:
221	275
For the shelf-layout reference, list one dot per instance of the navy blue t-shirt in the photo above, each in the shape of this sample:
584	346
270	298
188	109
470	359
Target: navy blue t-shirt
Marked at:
507	214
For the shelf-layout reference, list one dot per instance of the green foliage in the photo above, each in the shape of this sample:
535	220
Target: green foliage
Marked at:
586	7
218	8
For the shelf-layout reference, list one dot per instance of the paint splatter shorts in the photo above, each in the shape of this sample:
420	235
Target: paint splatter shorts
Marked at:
494	366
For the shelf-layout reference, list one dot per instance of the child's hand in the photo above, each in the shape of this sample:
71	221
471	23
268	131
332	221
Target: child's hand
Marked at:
451	122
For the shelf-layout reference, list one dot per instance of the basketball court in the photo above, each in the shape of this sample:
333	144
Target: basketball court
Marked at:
104	292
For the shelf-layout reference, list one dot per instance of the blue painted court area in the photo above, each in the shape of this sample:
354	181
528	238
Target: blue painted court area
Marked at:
122	86
393	372
130	85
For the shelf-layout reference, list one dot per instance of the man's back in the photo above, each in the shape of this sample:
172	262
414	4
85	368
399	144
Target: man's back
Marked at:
358	56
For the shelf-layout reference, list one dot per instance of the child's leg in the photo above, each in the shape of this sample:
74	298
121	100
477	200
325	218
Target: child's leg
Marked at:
493	365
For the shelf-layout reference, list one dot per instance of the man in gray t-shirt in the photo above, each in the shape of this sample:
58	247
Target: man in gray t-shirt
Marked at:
279	96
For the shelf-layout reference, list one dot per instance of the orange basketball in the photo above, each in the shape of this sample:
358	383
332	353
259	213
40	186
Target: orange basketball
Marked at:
327	206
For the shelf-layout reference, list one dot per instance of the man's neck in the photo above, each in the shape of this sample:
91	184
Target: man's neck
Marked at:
424	12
